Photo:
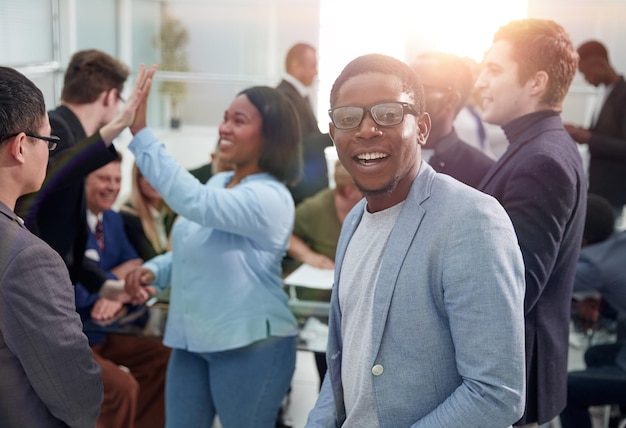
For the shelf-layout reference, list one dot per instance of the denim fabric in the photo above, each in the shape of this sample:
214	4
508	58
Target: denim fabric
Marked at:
244	386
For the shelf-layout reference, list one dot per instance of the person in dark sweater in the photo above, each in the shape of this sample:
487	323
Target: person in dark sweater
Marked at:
447	85
540	182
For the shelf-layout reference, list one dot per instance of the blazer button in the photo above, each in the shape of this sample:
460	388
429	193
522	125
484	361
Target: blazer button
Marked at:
377	370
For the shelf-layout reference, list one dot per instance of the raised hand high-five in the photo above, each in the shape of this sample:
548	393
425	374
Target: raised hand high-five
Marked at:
139	121
127	115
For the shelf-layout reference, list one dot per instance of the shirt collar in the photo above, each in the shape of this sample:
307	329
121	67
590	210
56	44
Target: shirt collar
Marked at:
92	220
302	90
4	209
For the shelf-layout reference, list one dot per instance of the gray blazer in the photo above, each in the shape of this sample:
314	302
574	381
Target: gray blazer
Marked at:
48	375
451	289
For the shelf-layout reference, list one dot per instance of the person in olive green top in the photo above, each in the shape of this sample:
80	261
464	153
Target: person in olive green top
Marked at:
319	219
148	220
316	232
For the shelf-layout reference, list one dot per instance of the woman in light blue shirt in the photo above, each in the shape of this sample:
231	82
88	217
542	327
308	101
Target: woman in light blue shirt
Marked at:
231	330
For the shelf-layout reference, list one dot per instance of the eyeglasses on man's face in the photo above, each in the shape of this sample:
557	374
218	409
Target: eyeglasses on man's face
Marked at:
384	114
52	140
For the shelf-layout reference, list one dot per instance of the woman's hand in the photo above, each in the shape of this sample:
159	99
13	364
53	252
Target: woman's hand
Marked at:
140	120
135	285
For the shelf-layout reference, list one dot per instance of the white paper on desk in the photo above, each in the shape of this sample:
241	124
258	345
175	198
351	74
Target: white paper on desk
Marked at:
311	277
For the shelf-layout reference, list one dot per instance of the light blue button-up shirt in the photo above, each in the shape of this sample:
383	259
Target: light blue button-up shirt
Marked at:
227	248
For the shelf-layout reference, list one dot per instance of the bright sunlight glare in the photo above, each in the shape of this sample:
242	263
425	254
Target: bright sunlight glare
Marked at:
403	29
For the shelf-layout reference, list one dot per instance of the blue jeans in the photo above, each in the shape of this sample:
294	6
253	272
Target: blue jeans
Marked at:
244	386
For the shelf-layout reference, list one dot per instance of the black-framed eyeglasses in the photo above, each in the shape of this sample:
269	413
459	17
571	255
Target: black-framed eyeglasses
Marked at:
52	140
384	114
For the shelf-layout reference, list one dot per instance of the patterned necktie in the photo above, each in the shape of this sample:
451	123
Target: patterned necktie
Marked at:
100	235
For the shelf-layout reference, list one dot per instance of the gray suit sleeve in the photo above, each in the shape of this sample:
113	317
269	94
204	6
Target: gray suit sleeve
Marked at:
43	331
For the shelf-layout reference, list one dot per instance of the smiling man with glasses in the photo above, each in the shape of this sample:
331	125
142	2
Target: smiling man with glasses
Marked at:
423	305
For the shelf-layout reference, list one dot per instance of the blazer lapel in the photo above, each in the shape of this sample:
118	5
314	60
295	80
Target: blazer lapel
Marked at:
401	237
510	151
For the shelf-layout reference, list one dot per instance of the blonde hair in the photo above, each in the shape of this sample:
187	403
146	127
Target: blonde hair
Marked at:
139	206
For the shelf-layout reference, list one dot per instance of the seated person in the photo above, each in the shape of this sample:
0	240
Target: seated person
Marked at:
600	270
316	231
600	267
133	397
147	219
319	219
205	171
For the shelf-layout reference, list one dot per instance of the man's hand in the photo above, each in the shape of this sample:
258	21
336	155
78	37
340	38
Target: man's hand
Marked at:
135	285
578	133
105	309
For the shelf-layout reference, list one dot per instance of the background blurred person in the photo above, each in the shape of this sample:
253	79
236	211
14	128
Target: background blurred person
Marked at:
148	220
90	106
606	135
316	233
134	396
319	219
447	85
299	77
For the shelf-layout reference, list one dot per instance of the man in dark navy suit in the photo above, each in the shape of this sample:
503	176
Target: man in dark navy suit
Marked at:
540	182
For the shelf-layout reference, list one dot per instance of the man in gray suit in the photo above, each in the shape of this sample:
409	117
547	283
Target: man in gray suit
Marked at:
426	321
49	377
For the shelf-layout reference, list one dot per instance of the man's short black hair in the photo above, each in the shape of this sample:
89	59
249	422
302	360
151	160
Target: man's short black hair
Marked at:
22	106
377	63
